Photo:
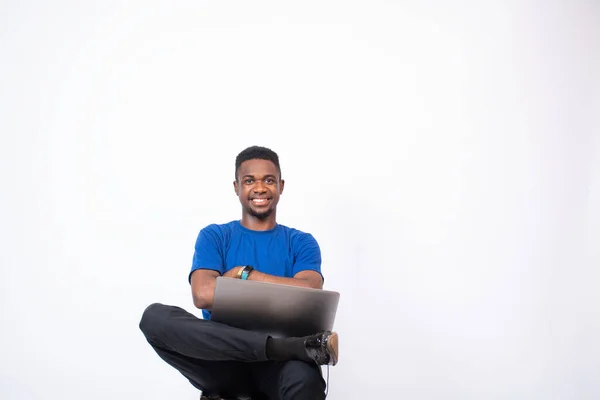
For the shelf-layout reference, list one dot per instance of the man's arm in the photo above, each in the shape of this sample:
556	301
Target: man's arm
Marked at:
204	281
306	278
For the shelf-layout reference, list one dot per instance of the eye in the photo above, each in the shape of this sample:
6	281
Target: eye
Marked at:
248	181
269	181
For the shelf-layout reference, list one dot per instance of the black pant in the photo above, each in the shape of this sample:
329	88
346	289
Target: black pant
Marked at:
222	360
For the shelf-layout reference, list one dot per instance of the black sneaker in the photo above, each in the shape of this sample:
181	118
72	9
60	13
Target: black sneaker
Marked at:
322	348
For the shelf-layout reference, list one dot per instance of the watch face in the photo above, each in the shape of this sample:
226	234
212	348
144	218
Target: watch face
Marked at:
246	271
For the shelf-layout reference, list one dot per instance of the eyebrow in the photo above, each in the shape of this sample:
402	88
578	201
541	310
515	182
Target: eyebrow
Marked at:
264	177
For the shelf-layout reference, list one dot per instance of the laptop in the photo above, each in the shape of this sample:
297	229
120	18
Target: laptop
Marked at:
278	310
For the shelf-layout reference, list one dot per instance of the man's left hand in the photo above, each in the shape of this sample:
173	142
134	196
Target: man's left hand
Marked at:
232	273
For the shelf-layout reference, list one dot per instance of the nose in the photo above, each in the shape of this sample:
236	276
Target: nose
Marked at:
259	187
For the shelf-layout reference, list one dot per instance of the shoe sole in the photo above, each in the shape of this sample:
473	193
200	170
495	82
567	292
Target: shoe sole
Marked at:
332	347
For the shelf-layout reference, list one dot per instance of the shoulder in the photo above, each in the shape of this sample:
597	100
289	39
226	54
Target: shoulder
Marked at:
220	230
297	236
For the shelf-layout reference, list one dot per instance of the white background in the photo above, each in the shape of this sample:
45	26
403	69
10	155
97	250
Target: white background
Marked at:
446	157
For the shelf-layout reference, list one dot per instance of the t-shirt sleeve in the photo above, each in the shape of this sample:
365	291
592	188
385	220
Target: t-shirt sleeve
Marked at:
307	255
207	251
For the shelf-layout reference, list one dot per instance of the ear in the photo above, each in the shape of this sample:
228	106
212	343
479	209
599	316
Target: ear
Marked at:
235	187
281	185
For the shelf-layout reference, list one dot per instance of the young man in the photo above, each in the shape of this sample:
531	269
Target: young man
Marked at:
226	362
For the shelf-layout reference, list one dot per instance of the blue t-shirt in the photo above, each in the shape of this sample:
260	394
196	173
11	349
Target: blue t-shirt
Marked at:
280	251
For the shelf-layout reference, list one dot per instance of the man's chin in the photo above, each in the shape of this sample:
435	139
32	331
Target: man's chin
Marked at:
261	215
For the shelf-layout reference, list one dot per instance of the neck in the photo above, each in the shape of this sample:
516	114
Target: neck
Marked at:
256	224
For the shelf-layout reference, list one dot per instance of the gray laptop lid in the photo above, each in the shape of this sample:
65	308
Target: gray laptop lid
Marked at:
278	310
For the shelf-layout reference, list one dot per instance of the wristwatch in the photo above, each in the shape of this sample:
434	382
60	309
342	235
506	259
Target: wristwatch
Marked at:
245	272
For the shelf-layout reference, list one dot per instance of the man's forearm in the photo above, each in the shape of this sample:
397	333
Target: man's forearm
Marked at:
263	277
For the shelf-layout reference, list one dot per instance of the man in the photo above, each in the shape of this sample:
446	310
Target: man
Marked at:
224	361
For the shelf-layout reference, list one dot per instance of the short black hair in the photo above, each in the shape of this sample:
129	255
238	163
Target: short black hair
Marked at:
257	152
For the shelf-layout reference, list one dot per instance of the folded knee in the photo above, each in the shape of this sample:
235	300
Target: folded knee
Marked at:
152	318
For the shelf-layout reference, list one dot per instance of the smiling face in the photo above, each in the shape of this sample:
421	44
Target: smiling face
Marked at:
258	186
